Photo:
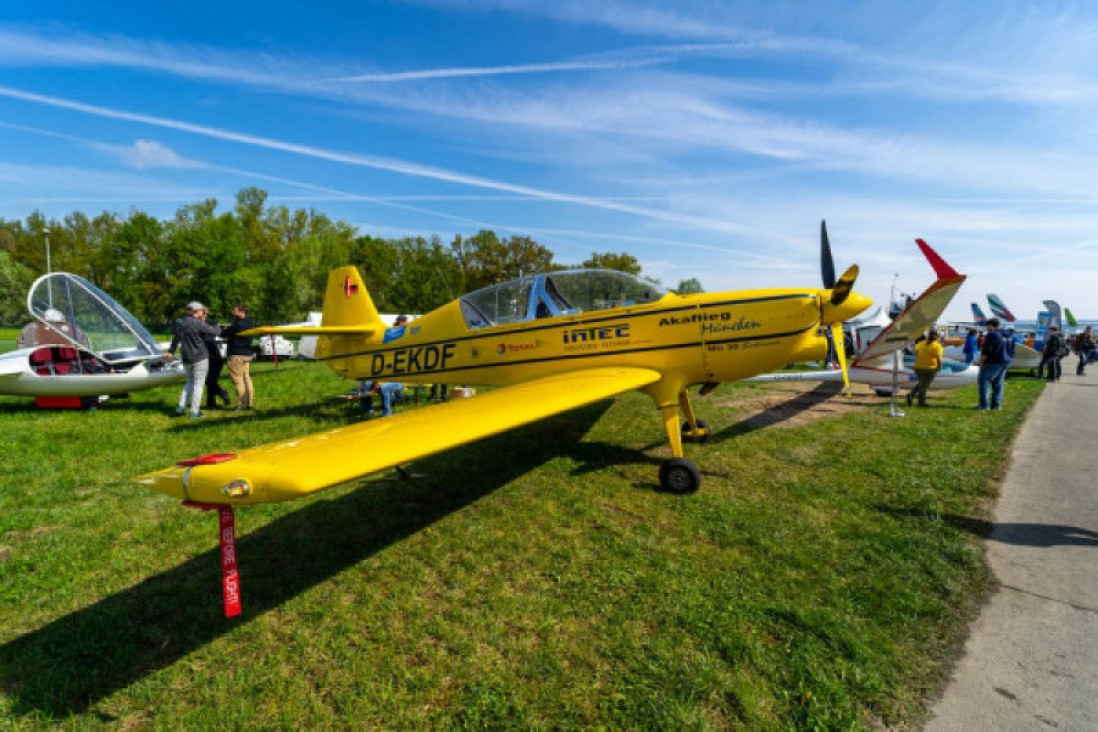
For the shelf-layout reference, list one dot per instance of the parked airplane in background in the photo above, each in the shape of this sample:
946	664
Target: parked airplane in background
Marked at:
978	316
883	338
81	345
999	308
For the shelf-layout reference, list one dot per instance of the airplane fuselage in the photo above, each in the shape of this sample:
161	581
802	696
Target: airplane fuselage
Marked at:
699	338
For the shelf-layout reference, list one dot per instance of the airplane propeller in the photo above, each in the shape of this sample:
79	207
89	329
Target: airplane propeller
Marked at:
827	264
840	291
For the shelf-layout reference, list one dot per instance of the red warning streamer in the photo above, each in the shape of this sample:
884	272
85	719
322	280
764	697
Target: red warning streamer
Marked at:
230	577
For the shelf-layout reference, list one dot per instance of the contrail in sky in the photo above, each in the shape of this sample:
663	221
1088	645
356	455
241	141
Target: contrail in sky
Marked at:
366	161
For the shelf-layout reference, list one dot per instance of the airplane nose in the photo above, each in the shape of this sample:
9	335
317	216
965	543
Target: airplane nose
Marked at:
854	304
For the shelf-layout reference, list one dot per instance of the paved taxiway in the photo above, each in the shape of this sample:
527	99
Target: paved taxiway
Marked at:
1031	661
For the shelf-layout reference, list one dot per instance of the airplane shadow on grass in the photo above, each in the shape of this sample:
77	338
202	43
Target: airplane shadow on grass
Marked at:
778	413
65	667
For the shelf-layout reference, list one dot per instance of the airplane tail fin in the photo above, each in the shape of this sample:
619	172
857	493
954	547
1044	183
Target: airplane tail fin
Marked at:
999	308
348	310
347	304
978	315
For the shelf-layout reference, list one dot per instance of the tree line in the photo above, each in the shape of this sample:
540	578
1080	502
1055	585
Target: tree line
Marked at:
275	259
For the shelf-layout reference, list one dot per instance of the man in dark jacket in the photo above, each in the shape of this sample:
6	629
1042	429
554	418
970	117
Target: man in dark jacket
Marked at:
994	361
239	353
189	339
214	390
1084	344
1052	353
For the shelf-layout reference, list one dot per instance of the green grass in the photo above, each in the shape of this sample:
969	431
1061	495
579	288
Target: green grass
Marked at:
822	578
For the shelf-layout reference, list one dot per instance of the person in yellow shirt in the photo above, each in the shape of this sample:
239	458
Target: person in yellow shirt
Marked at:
928	362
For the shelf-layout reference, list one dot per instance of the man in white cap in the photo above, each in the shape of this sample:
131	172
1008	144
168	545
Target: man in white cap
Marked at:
194	355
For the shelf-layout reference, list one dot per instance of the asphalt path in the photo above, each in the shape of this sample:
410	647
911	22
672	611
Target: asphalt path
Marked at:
1031	660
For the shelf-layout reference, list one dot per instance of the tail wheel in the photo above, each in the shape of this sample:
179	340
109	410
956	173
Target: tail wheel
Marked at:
698	434
679	475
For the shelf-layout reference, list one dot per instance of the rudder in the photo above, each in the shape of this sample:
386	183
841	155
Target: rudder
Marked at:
346	301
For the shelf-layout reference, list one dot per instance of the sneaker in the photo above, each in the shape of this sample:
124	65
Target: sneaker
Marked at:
180	411
197	415
980	408
998	409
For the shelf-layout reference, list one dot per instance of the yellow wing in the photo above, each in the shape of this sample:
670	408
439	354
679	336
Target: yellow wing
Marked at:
289	469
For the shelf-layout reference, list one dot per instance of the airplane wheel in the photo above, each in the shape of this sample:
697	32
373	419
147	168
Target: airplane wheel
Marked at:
699	435
883	392
679	475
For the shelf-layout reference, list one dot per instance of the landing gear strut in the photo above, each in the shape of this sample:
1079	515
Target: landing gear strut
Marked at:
679	475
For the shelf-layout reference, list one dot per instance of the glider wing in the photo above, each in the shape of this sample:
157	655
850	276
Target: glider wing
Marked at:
920	314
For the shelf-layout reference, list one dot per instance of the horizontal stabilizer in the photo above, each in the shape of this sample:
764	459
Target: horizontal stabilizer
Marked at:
311	330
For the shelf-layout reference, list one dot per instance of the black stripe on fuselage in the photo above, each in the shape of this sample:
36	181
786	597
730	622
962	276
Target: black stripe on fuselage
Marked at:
524	327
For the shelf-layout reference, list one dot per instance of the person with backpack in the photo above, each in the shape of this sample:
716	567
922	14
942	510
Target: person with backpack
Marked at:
1084	344
1052	353
994	360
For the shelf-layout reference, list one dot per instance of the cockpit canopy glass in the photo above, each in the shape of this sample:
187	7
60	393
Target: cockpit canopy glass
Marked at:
74	309
555	294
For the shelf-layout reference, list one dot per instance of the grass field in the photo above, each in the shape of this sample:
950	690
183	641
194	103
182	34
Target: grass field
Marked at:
822	578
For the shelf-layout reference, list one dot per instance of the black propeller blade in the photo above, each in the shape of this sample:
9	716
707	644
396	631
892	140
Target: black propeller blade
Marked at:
827	265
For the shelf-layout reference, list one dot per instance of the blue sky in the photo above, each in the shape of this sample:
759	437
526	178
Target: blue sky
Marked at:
706	138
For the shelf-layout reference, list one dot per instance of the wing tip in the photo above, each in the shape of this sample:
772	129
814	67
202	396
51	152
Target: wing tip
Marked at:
941	268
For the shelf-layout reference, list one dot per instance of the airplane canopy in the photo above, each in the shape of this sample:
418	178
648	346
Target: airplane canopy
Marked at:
568	292
72	311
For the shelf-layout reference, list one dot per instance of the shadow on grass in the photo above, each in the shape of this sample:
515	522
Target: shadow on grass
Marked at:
65	667
1018	534
778	413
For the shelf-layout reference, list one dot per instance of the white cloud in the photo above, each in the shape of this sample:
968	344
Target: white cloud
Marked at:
151	154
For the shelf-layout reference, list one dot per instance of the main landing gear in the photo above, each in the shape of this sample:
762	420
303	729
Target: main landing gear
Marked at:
679	475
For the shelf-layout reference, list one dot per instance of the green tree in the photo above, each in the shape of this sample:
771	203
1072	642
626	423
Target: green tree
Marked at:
611	260
689	287
15	281
485	259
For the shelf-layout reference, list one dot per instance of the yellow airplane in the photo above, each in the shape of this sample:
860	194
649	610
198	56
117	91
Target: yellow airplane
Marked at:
554	342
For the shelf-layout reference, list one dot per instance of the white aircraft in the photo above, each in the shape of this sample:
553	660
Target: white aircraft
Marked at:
81	345
878	363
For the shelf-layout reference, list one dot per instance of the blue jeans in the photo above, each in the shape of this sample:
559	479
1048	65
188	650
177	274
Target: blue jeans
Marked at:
192	390
992	375
391	391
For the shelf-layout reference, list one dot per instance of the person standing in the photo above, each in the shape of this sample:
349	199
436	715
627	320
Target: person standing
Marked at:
240	355
972	346
928	362
189	331
1052	353
214	390
993	367
1084	344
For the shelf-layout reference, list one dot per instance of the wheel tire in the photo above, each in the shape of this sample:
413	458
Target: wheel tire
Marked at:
679	475
701	435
